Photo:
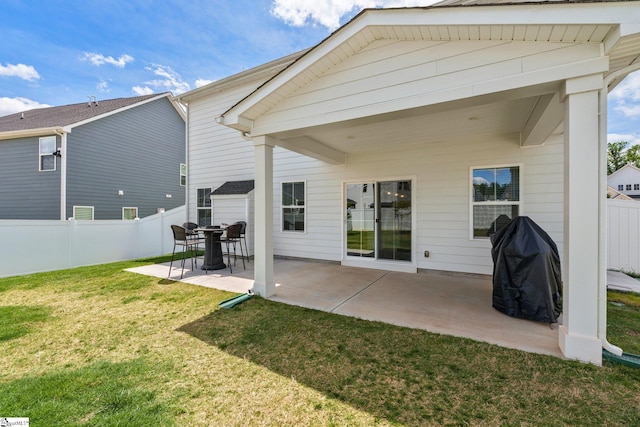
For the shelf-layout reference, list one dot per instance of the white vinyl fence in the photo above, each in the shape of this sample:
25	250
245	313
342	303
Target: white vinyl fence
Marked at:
29	246
623	251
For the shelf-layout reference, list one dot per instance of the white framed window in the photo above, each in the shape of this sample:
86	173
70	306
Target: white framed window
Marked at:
46	158
495	198
183	174
83	213
636	187
129	213
620	187
293	206
203	206
628	187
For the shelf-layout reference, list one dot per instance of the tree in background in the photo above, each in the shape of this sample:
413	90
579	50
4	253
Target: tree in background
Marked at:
632	155
617	157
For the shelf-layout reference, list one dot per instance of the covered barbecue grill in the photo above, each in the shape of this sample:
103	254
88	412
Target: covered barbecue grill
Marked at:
527	282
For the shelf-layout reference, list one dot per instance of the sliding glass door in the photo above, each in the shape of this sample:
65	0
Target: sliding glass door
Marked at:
379	220
360	205
394	220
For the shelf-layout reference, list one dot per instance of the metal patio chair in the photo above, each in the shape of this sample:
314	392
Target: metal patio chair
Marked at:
180	238
232	237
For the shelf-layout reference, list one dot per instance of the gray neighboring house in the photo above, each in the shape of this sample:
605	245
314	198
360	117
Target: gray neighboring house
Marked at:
102	159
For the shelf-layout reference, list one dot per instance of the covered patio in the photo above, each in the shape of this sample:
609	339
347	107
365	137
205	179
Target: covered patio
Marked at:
458	305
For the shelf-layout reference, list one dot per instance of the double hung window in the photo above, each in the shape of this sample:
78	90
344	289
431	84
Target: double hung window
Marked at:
293	206
183	174
495	198
46	157
204	207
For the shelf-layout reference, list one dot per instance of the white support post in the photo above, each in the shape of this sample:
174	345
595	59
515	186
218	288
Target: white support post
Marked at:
578	335
263	283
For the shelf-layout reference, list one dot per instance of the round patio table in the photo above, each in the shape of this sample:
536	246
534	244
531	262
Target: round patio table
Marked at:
212	248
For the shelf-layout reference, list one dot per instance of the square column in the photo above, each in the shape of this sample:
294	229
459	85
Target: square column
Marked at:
578	334
263	283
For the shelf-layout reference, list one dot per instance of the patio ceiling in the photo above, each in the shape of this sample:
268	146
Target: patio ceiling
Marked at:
504	113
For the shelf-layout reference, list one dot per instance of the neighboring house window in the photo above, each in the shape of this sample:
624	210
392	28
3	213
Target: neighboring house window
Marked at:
204	207
495	198
293	203
183	174
83	213
628	187
129	213
636	187
46	158
620	187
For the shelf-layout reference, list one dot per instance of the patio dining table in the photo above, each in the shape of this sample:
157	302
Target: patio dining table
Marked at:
212	248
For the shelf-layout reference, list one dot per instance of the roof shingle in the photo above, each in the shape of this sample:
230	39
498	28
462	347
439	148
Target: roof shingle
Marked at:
234	187
65	115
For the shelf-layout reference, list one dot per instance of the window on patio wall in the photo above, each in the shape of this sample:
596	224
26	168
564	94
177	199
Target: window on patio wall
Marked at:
495	198
204	207
293	206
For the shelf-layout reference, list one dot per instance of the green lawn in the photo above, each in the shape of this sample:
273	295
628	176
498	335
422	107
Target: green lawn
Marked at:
102	347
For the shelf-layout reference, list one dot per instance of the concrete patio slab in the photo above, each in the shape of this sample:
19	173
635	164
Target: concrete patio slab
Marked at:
451	305
457	305
320	286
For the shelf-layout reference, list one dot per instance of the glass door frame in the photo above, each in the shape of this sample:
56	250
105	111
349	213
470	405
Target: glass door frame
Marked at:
375	261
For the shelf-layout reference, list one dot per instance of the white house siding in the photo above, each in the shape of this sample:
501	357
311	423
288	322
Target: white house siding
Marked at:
441	196
387	75
218	154
628	175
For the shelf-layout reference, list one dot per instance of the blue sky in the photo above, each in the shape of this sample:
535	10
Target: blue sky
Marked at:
60	52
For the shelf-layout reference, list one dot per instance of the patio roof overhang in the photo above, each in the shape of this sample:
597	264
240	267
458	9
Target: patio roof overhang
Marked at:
523	102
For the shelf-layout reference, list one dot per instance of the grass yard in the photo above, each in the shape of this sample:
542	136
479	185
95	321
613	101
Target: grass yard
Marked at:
102	347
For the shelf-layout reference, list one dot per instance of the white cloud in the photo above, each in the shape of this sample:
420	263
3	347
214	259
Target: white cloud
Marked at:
98	59
15	105
25	72
169	81
632	139
203	82
329	12
626	96
138	90
103	86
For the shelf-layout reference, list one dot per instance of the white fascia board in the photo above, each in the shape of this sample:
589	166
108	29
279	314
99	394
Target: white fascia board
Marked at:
26	133
623	13
119	110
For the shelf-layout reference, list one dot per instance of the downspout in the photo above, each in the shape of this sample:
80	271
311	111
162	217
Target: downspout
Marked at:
186	160
602	234
63	174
